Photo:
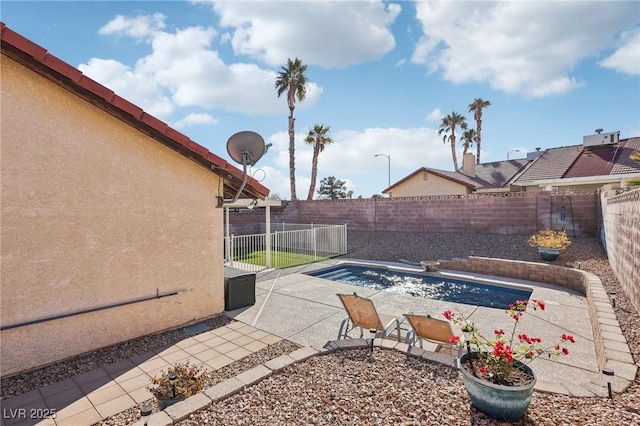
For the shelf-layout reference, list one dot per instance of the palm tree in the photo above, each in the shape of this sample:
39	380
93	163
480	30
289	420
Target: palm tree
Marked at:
476	108
448	125
293	81
468	138
318	138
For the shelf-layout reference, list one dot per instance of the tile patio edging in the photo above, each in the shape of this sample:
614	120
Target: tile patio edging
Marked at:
229	387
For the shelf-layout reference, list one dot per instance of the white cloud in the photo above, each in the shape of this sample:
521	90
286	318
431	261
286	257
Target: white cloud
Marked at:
351	156
327	33
184	70
517	47
138	88
139	27
434	115
196	119
626	59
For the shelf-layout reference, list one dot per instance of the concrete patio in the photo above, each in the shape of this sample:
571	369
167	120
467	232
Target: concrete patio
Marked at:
304	309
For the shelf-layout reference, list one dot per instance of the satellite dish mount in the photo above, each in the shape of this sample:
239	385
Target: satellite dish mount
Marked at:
244	148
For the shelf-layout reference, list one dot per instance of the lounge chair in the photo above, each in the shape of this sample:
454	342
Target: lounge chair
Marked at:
362	314
433	330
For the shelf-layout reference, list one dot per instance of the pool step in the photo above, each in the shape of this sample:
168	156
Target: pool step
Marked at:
335	275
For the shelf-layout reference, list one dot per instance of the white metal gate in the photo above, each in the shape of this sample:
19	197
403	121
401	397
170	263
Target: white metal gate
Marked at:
280	249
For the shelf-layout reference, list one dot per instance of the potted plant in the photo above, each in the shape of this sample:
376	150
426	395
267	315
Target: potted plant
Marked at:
549	243
177	383
494	370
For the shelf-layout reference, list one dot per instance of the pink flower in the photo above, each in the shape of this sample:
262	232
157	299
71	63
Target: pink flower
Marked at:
565	351
566	337
484	369
498	332
448	315
454	339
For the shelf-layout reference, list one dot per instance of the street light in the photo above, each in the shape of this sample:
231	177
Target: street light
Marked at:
389	168
513	150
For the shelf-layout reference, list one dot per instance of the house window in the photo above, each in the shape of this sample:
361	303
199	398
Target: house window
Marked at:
425	176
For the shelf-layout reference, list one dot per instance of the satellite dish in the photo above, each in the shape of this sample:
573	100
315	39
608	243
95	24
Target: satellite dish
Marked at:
246	147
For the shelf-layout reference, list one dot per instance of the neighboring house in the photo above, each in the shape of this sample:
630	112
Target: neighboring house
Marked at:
110	221
601	159
485	177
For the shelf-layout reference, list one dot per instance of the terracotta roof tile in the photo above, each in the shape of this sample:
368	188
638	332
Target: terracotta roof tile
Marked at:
127	106
62	67
96	88
154	123
594	161
624	164
38	59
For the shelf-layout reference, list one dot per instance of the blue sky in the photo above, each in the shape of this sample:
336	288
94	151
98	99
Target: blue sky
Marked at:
382	74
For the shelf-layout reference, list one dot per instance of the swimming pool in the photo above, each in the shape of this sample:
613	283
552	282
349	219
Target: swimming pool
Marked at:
422	285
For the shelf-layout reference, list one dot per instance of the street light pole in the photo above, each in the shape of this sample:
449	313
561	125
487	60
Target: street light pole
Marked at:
388	168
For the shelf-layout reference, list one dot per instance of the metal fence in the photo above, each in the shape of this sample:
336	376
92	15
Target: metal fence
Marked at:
281	249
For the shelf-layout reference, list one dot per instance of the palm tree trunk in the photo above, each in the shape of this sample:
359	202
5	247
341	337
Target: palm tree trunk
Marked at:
292	155
453	152
478	139
314	172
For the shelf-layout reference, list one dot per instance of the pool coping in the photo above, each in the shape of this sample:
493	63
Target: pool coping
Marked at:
612	350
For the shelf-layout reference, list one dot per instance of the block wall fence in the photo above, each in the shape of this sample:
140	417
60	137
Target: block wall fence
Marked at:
515	213
621	219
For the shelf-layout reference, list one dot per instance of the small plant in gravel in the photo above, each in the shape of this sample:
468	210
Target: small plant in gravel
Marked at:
497	355
549	239
180	381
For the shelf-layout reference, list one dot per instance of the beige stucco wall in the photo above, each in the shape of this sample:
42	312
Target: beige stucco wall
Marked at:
433	185
95	213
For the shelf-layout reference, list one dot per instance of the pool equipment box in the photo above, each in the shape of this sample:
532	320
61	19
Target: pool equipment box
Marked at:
239	288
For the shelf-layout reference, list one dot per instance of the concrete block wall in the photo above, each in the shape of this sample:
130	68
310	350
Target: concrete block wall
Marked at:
621	218
517	213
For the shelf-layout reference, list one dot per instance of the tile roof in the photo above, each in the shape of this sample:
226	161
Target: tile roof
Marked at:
488	175
496	174
624	164
593	161
39	60
552	164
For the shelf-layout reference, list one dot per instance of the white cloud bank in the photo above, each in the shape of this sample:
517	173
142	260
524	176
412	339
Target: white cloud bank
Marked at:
521	46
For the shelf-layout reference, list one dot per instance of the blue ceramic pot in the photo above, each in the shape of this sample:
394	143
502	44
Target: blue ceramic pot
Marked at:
548	254
164	403
501	402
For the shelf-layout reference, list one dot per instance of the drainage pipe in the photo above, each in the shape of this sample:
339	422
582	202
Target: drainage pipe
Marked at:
86	311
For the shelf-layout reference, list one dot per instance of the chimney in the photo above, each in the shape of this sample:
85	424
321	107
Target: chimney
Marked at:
469	164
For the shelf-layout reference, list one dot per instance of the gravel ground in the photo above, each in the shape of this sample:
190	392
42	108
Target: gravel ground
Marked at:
282	347
343	388
24	382
346	389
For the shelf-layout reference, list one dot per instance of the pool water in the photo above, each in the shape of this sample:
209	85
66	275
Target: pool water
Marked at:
426	286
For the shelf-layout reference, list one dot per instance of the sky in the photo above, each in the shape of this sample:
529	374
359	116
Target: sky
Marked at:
381	74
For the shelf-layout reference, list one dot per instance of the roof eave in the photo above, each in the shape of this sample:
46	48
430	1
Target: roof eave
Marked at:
37	59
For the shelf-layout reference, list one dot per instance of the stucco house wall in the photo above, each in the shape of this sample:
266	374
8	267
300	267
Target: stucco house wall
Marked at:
95	213
433	185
